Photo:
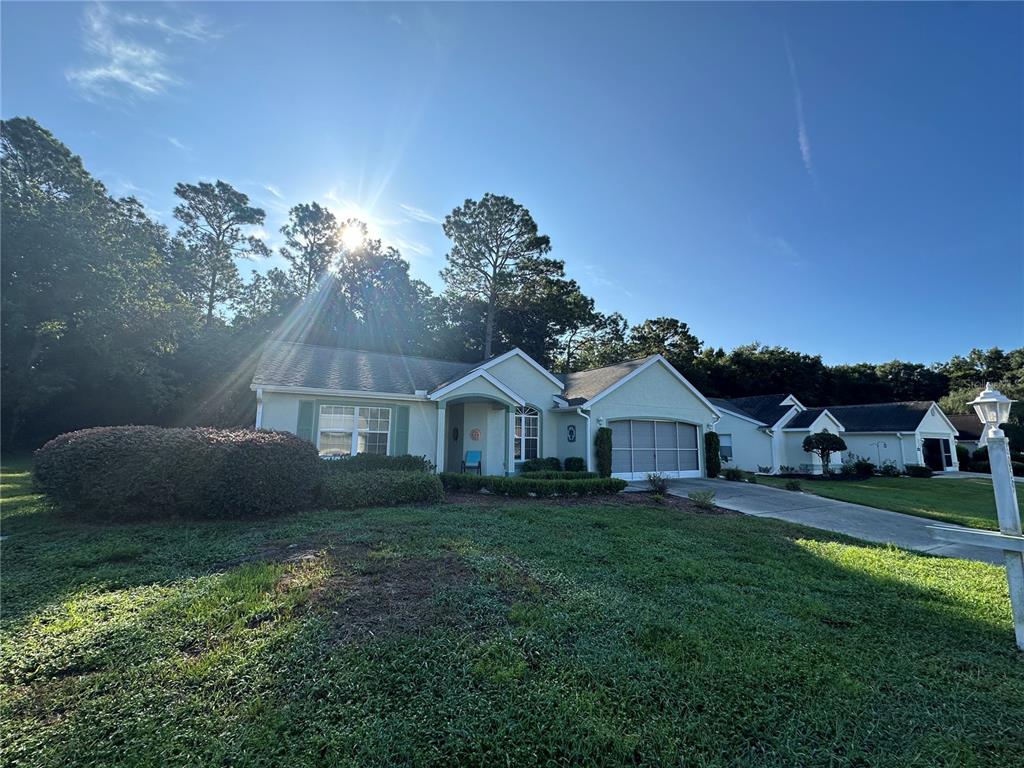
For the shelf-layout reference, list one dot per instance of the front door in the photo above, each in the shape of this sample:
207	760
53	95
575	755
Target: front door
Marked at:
933	454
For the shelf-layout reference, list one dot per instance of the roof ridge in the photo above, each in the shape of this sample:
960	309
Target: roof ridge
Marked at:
893	402
612	365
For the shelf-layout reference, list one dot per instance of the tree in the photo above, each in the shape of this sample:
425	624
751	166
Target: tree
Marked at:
664	336
602	343
312	242
495	249
213	220
823	444
912	381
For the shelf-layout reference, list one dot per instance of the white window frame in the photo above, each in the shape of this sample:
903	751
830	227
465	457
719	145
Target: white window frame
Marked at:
721	445
355	430
519	441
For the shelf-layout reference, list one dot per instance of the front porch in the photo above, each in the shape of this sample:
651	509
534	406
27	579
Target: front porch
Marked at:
476	423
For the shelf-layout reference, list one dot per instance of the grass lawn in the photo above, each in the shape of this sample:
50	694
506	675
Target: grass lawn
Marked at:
524	633
964	501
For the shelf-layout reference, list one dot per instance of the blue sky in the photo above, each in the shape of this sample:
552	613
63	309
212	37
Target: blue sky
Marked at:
845	180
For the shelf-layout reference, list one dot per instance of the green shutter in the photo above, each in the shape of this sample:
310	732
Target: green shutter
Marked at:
402	431
305	425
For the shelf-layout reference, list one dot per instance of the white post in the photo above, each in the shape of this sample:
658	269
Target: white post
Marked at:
440	449
1009	523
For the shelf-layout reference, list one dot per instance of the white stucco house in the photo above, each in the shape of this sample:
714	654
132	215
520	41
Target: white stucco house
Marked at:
509	408
768	431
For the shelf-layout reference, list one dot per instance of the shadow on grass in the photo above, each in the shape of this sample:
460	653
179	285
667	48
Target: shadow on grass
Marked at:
637	636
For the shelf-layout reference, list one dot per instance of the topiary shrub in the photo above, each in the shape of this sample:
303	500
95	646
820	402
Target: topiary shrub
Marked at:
528	486
379	488
548	463
918	470
134	473
371	462
603	445
963	457
712	453
575	464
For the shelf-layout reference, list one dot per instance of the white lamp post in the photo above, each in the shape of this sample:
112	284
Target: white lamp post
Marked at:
993	408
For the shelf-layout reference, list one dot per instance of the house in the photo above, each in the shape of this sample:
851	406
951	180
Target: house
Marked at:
509	408
971	432
768	431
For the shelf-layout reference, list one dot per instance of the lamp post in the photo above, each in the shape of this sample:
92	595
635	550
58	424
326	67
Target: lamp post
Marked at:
993	408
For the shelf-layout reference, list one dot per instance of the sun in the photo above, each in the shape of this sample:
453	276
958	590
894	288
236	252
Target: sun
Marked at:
352	237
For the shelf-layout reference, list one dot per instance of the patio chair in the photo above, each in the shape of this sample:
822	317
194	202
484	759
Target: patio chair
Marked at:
472	462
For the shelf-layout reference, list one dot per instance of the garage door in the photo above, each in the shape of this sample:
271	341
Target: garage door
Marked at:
640	447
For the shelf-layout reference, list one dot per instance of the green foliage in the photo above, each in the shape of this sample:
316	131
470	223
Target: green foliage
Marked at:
528	486
547	474
702	499
657	483
963	457
134	473
712	453
575	464
889	469
1018	468
379	488
793	485
858	467
603	445
312	241
918	470
547	464
824	444
370	462
734	474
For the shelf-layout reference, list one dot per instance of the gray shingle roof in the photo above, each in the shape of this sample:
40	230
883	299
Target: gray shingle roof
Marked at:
581	386
729	405
764	408
286	364
967	425
804	419
881	417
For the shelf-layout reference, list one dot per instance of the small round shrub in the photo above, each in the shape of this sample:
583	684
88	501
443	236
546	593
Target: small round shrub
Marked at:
919	470
732	473
793	485
547	464
575	464
134	473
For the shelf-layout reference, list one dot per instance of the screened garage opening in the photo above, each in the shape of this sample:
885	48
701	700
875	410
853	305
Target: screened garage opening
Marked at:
640	447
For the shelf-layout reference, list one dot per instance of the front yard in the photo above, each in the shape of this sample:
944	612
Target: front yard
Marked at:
496	633
967	501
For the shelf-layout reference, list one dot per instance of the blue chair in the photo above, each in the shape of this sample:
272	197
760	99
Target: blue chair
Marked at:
473	462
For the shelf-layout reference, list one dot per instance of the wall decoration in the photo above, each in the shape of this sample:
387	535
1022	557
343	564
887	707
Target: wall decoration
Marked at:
572	433
455	434
474	435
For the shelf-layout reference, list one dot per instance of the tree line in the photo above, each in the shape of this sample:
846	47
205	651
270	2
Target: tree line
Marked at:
110	317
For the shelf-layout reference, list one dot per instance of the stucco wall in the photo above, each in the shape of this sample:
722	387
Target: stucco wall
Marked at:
865	446
538	391
559	423
751	448
280	412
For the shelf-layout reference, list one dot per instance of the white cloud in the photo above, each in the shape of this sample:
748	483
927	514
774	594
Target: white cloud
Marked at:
418	214
123	64
177	143
274	191
802	138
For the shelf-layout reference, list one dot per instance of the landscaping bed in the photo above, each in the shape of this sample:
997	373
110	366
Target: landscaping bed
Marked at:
486	630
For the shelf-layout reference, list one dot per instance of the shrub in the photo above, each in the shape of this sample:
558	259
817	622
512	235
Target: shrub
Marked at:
371	462
133	473
379	488
1018	468
980	455
563	475
658	483
786	469
823	444
702	499
712	453
981	466
918	470
732	473
889	469
603	444
528	486
863	468
793	485
963	457
575	464
764	470
549	463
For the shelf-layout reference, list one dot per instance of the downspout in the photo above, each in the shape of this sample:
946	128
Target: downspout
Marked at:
259	407
590	446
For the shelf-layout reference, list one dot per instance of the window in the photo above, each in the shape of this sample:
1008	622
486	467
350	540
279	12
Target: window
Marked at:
527	443
343	427
725	447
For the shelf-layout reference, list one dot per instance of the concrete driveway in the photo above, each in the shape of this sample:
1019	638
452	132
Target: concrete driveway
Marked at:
867	523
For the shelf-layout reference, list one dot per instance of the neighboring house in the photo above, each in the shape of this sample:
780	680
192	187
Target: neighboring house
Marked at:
912	432
970	429
509	408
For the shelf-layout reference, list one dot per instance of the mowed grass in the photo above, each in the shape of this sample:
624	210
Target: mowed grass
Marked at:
489	634
967	501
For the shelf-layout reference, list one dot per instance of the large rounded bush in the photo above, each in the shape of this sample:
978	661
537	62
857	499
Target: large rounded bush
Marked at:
131	473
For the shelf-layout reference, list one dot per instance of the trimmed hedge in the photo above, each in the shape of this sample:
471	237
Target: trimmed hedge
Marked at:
575	464
527	486
603	444
919	470
379	488
548	475
135	473
712	453
371	462
549	464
